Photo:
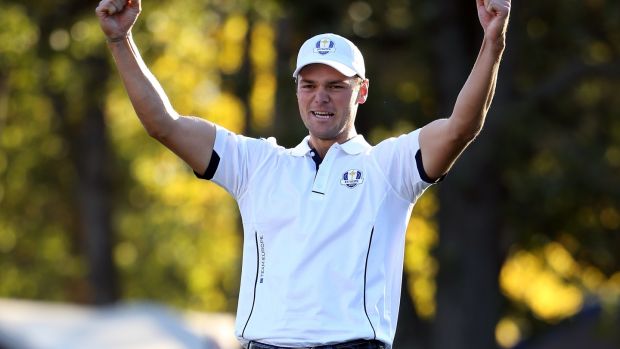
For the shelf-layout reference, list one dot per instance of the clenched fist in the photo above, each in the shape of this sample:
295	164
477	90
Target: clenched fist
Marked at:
117	17
493	15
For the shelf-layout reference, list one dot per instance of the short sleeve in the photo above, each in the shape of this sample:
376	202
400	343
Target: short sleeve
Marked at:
401	160
235	158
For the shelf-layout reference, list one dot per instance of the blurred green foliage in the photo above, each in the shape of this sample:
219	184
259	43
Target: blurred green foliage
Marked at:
176	239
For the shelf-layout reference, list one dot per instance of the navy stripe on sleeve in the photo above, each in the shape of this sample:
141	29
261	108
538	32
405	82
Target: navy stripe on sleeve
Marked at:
213	164
423	175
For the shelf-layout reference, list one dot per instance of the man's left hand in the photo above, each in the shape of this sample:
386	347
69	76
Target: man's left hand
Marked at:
493	15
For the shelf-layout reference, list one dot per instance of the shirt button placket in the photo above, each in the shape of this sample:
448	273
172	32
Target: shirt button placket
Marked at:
319	186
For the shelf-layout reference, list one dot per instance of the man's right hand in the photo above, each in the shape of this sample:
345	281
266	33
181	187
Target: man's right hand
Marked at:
191	138
116	17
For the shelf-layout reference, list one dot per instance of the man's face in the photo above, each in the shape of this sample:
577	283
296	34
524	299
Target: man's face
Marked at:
328	102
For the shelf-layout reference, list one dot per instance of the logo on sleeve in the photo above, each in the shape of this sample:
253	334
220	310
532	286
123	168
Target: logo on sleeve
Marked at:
352	178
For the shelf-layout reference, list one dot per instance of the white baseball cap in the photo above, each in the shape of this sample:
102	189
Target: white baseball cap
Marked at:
334	50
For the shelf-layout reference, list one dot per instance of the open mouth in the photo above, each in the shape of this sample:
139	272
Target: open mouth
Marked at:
322	114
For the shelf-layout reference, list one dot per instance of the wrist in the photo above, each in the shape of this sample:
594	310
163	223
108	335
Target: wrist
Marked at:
495	45
117	39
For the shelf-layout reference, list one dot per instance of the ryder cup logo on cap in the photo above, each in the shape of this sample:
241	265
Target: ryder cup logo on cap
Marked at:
333	50
324	46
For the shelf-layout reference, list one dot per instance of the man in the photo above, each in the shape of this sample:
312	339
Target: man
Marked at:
323	222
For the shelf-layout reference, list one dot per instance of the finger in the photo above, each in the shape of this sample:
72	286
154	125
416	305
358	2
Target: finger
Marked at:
110	7
119	4
498	7
102	7
486	4
490	5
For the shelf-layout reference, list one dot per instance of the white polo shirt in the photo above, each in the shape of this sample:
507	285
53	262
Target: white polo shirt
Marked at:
323	247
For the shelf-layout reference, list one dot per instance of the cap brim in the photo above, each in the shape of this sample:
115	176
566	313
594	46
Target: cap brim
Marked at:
345	70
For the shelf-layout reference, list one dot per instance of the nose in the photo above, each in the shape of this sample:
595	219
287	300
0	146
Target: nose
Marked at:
321	95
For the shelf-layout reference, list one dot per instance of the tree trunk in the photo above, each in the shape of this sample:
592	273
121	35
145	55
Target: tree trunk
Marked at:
78	108
468	297
287	126
411	331
93	188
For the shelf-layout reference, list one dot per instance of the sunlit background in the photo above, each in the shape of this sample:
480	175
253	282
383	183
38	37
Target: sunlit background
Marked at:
95	213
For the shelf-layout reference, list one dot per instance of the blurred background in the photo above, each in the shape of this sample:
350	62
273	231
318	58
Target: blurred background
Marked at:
518	248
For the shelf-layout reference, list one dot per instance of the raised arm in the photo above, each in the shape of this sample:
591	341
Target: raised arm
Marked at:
191	138
443	140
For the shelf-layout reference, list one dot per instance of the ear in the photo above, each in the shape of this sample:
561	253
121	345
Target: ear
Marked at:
362	94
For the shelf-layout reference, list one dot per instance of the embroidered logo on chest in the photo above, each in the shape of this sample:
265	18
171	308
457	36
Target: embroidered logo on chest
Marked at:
352	178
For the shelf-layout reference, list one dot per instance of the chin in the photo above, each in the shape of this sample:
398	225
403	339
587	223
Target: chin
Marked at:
327	136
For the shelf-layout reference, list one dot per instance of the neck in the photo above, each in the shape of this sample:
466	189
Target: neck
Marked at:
322	145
